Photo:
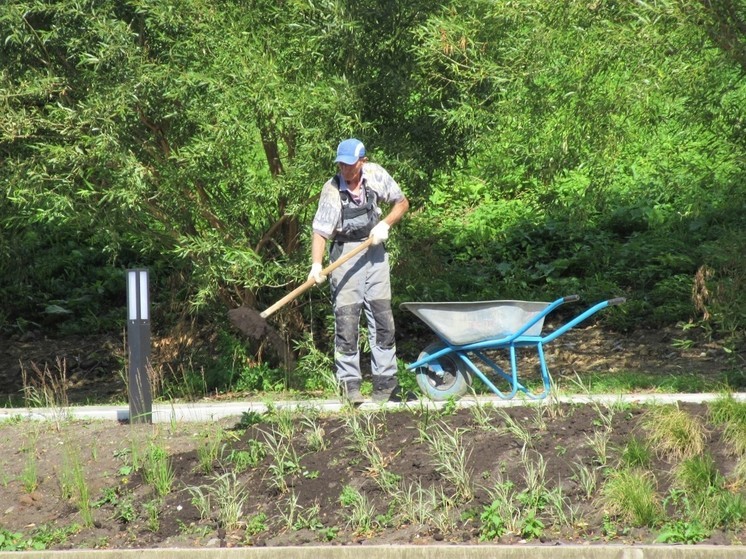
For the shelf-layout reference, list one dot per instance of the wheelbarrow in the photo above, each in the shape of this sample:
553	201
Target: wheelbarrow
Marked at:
469	329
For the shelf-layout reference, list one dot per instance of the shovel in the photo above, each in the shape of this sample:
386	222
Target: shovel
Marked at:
254	325
310	282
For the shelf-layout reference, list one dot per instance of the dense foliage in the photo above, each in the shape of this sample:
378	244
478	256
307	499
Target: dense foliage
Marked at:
590	147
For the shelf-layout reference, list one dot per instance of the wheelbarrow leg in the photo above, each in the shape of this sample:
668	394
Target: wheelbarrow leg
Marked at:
514	367
475	370
545	378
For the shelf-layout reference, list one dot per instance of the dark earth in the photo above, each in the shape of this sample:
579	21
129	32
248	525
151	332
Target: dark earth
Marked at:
304	478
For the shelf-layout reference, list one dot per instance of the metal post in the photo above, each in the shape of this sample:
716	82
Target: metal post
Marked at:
138	337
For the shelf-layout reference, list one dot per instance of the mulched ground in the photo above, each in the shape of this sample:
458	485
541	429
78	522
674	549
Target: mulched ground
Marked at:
95	367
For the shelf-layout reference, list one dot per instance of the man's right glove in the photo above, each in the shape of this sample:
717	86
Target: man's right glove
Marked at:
316	274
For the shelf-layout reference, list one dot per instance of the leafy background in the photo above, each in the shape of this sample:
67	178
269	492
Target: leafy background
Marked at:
548	148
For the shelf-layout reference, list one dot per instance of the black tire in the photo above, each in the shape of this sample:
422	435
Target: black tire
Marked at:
448	377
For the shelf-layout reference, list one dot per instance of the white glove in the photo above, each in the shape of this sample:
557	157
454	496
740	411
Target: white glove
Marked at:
380	232
316	274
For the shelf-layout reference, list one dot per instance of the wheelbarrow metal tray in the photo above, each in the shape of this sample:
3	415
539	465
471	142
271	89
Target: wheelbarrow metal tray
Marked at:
463	323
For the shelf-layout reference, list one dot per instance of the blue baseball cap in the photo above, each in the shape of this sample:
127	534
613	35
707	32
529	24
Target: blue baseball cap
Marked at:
349	151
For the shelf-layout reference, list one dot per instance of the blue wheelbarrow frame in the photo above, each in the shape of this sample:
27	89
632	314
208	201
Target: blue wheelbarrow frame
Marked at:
444	369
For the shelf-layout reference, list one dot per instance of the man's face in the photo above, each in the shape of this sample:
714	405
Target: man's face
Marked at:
351	173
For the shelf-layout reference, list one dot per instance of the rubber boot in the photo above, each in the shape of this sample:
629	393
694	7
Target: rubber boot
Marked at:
383	388
351	391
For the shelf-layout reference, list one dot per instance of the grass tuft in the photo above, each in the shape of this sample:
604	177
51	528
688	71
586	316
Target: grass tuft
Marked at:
631	495
673	433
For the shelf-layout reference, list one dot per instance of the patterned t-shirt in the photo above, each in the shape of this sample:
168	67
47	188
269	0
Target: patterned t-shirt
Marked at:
328	219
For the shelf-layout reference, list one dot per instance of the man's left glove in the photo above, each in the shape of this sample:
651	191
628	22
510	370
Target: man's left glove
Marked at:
380	232
316	274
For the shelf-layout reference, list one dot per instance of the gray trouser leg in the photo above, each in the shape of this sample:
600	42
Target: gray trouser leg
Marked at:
363	283
381	331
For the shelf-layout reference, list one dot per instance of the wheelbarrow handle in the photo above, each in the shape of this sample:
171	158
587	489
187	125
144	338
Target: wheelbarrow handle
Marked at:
610	302
310	282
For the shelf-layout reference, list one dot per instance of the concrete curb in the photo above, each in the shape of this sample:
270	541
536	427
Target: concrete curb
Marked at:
211	411
405	552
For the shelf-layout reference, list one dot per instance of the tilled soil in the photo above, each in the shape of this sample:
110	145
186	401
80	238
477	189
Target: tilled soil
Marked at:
353	478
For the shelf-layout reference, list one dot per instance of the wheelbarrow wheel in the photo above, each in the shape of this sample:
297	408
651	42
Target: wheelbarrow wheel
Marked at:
445	378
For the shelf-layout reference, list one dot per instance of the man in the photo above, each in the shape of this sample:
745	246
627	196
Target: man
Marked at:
348	213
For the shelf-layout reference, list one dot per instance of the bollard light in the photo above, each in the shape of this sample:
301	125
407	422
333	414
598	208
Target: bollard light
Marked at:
138	298
138	343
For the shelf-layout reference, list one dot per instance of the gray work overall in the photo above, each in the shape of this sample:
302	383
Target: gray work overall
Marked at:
361	284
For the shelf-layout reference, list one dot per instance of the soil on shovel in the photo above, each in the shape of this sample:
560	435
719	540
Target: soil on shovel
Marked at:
249	322
255	328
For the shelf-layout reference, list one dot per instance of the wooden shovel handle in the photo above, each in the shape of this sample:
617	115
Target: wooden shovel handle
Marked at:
310	282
